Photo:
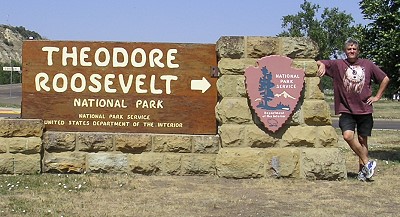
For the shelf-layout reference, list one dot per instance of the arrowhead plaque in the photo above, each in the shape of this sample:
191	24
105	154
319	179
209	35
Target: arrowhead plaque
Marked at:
274	89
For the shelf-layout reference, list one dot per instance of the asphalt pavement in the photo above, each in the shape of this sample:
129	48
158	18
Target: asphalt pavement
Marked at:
10	94
10	112
10	100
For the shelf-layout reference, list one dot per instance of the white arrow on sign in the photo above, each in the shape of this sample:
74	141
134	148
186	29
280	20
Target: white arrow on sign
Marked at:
202	85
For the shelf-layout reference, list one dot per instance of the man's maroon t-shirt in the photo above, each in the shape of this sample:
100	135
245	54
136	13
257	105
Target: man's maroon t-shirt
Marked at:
352	84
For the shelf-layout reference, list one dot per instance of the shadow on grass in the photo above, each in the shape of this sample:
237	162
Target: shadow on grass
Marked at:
391	154
352	175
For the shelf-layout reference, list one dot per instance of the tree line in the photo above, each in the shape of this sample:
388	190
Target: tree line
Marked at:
379	39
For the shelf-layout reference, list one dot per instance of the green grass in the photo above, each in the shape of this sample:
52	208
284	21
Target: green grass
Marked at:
383	109
6	105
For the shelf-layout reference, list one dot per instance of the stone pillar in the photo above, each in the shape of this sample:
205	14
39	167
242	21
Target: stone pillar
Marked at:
306	147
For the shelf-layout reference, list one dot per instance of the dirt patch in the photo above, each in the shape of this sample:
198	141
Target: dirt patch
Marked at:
126	195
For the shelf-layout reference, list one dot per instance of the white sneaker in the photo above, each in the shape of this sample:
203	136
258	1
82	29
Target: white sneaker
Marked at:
361	177
369	169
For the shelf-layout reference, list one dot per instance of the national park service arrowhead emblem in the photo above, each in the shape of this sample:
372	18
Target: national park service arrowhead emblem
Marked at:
274	89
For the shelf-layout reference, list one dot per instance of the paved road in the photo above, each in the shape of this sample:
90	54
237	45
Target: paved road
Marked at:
12	95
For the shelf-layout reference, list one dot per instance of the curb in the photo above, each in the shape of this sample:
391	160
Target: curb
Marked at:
10	111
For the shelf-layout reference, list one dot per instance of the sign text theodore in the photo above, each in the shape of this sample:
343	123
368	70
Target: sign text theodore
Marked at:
120	87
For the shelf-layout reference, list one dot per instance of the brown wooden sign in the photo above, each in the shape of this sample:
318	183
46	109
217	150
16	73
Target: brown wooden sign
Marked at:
120	87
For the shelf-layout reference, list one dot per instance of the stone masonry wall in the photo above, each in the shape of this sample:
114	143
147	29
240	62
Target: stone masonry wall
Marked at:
26	149
306	147
149	154
20	146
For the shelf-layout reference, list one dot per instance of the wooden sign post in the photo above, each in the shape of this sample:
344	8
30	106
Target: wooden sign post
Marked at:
120	87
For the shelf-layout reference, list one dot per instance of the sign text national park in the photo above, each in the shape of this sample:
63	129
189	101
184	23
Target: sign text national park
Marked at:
120	87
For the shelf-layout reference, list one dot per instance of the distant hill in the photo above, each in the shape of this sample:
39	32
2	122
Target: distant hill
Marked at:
11	39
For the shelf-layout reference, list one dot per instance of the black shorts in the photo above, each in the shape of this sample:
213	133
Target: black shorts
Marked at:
363	123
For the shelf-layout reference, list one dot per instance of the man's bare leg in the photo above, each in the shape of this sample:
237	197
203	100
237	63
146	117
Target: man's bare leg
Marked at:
363	140
360	150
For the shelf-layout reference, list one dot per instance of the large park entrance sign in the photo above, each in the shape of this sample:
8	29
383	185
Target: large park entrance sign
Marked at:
120	87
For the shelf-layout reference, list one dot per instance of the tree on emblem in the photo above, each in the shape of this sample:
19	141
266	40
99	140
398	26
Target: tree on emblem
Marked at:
265	85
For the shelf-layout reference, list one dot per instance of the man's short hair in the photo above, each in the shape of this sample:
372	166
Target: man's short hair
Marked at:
351	41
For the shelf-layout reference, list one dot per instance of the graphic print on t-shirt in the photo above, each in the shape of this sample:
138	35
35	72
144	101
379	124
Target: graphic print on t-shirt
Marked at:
354	79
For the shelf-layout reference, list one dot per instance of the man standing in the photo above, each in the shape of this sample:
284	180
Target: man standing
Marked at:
353	100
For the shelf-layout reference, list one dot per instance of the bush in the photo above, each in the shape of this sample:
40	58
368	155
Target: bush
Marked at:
7	42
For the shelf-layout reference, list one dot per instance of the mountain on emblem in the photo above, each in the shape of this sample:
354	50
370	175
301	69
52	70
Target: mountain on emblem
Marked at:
274	89
284	94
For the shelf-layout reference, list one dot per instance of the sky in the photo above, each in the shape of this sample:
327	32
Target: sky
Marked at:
173	21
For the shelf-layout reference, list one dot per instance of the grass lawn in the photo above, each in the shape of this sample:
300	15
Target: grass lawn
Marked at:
383	109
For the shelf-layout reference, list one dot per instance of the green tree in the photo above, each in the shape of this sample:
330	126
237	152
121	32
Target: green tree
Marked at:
381	37
330	31
2	74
